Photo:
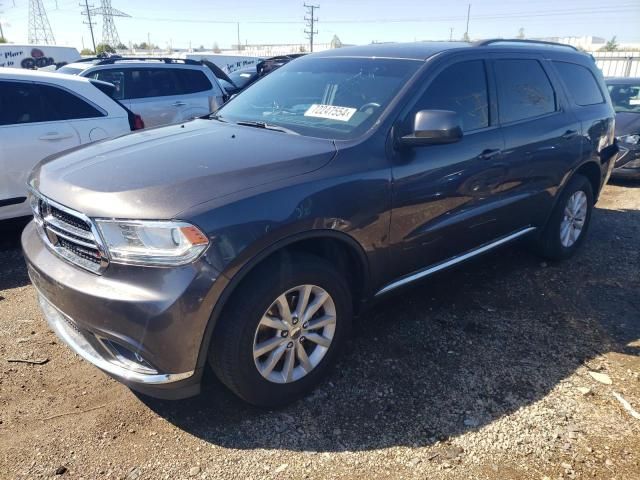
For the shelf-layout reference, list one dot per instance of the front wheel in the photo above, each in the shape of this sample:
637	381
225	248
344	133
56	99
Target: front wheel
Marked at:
569	221
282	330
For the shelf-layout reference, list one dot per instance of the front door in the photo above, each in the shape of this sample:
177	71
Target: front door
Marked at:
444	196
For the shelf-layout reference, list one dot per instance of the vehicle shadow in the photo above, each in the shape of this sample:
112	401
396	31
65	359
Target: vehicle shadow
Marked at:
451	354
12	267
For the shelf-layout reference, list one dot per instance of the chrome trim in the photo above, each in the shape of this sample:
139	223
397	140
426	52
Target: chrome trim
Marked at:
61	324
453	261
46	222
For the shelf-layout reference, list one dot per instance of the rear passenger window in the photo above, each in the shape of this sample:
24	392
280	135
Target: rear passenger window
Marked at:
22	103
461	88
152	82
524	90
193	81
64	105
580	82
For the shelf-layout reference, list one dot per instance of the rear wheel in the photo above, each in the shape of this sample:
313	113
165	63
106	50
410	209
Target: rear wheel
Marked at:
282	330
569	222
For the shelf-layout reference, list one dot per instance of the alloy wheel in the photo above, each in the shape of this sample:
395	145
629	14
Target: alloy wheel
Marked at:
294	334
575	215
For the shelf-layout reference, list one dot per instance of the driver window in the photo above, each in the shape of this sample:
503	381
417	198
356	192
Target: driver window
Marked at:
461	88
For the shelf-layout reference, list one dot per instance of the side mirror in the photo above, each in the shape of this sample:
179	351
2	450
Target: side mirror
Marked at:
434	127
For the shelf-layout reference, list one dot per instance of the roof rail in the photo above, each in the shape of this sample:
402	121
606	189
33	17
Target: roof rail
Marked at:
483	43
116	58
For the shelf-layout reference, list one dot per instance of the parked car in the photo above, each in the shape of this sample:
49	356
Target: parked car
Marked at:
241	79
625	96
161	90
42	114
250	239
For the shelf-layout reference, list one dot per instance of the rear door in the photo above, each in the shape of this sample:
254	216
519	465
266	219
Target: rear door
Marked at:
200	94
155	94
542	137
30	130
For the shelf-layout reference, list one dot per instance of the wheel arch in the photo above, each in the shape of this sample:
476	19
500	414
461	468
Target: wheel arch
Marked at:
338	247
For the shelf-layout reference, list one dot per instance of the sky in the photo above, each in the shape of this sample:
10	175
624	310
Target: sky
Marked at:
181	23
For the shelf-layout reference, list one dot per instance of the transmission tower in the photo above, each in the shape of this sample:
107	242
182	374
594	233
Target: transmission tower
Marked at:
311	22
39	27
109	32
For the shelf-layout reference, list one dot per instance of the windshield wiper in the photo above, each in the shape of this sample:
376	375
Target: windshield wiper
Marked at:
214	116
266	126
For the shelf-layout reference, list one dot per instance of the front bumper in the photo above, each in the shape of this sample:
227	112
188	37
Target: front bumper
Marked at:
143	326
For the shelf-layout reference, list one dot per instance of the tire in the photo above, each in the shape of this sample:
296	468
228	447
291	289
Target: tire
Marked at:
241	331
553	243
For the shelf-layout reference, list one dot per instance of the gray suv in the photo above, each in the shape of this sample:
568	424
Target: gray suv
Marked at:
249	239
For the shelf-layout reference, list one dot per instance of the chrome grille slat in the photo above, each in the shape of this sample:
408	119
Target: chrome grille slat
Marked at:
70	234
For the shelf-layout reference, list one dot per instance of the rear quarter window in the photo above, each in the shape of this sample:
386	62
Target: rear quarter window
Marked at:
580	82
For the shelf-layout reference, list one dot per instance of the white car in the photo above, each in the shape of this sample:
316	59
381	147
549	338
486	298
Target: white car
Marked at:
45	113
162	91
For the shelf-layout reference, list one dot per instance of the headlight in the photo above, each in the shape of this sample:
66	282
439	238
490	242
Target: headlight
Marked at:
152	242
630	139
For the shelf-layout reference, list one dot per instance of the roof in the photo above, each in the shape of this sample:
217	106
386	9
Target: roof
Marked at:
38	75
424	50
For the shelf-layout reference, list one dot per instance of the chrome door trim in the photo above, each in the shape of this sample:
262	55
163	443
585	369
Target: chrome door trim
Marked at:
453	261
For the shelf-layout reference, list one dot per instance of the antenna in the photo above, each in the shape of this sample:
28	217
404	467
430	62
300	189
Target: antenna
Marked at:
311	21
39	26
109	32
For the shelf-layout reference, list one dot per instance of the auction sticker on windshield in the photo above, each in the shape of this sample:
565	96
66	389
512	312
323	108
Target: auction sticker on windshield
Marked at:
331	112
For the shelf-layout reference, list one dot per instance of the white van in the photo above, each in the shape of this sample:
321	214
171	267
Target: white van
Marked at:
36	56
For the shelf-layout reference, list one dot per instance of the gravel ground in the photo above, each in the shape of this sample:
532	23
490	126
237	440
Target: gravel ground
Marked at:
500	377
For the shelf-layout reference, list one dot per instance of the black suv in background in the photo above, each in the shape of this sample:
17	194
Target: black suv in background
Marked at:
249	239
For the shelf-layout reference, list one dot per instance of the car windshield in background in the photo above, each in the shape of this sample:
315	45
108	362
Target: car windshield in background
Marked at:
242	77
625	97
323	97
70	70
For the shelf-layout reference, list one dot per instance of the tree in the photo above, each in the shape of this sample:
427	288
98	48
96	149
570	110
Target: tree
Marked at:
610	46
216	48
121	46
302	49
521	33
3	40
104	48
86	52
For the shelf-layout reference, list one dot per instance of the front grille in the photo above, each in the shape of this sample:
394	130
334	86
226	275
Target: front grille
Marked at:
69	233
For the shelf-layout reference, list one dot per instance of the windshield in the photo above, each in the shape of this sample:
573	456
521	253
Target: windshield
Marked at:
336	98
625	97
242	77
70	70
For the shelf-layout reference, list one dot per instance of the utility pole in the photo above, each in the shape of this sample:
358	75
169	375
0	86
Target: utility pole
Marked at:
239	46
109	32
87	13
311	22
451	34
466	33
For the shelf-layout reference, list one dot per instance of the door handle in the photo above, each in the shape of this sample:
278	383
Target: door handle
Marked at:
55	136
569	134
489	153
178	104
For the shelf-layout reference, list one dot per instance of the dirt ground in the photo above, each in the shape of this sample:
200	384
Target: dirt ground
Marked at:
482	372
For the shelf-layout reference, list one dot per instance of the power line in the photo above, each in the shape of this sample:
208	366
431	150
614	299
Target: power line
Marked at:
39	27
311	21
109	32
87	13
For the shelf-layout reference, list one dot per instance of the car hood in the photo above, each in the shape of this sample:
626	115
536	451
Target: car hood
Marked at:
627	123
158	173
